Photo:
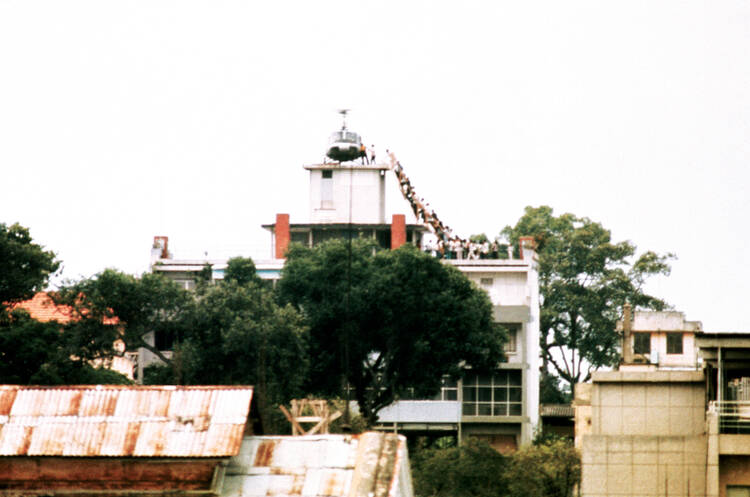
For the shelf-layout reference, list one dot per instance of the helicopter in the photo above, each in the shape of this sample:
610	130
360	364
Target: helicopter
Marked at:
344	145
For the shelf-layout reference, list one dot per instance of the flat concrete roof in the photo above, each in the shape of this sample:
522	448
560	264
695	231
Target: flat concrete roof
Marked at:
647	376
347	166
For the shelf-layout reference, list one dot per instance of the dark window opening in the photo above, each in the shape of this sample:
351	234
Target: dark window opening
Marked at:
674	343
164	340
642	343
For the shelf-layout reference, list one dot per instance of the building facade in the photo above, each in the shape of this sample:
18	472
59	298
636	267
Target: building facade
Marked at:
349	200
674	419
502	408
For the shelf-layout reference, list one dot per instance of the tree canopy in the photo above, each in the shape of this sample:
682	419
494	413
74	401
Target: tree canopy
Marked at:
25	266
134	306
235	333
386	321
548	468
584	280
34	352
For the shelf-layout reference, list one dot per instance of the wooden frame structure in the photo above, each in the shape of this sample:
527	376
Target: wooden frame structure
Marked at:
301	408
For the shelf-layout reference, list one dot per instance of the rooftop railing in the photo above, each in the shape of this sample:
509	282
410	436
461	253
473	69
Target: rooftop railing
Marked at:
734	416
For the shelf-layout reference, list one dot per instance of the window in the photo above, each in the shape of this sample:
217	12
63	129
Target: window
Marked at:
448	391
485	281
302	237
674	343
326	189
642	343
498	394
164	340
513	330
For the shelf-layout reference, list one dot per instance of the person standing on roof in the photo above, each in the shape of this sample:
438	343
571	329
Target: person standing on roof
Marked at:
372	154
363	154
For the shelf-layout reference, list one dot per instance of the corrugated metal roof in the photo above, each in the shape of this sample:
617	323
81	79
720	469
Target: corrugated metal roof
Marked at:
557	410
117	421
368	465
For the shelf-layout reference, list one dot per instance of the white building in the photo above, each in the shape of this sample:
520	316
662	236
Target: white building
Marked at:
351	199
502	408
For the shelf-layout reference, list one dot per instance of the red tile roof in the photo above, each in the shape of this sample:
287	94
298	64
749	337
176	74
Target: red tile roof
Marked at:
42	308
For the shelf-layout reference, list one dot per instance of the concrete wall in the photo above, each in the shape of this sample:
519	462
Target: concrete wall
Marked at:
647	434
367	187
640	465
735	471
657	408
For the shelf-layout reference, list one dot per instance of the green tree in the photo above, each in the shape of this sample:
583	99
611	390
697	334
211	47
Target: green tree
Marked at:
387	321
112	305
550	391
237	334
556	470
25	266
34	352
584	280
241	270
472	470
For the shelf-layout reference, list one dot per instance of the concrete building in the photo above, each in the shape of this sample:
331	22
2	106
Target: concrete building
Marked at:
726	360
503	408
674	419
350	200
345	200
661	340
646	434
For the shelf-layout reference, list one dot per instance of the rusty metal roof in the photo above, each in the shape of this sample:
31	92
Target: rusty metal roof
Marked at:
368	465
123	421
557	410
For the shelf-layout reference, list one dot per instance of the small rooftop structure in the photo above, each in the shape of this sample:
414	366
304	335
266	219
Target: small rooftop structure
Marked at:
658	340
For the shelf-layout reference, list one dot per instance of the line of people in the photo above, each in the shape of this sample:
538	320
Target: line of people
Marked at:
448	245
457	248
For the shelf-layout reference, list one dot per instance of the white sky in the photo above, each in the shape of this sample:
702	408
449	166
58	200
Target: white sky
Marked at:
124	120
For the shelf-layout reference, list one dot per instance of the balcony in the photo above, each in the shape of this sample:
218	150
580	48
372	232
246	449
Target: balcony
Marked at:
734	416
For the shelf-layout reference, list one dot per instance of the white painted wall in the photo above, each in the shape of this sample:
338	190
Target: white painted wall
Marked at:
367	188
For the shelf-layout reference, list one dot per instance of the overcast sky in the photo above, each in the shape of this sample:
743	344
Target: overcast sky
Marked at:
124	120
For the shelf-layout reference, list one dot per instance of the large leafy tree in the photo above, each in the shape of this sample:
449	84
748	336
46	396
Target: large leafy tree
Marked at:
25	266
43	353
34	352
584	280
112	305
235	333
386	321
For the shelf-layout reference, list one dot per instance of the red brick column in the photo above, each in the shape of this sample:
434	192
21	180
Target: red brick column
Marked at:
398	231
282	235
526	246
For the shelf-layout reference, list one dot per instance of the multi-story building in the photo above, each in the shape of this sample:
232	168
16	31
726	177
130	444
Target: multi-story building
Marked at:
350	200
502	408
674	419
